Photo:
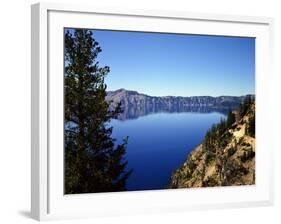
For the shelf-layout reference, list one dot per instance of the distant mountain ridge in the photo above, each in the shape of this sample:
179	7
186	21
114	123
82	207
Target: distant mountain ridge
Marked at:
137	104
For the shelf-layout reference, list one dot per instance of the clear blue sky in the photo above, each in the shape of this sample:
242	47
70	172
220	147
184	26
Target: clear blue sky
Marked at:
178	65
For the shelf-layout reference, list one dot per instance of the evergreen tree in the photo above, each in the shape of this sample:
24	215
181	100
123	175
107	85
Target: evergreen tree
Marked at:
92	161
250	130
230	119
245	105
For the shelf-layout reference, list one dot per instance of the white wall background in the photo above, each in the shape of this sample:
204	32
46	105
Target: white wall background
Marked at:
15	110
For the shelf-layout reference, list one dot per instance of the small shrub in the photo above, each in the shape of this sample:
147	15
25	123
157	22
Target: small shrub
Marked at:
251	126
210	157
240	141
243	170
247	154
210	182
231	151
245	144
191	165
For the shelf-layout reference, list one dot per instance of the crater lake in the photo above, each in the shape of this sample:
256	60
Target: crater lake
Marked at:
159	143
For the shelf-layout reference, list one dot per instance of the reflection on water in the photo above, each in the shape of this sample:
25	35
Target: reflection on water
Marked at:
132	112
159	143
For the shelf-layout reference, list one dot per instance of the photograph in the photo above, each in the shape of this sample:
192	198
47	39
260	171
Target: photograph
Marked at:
157	111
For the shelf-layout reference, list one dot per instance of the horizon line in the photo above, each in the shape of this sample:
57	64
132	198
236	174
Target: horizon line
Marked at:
120	89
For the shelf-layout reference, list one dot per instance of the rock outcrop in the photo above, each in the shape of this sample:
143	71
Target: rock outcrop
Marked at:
224	159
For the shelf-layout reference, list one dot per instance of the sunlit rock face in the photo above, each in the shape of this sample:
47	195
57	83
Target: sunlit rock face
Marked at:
136	104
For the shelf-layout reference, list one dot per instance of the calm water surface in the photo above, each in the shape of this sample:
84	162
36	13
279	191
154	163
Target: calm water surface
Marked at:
159	143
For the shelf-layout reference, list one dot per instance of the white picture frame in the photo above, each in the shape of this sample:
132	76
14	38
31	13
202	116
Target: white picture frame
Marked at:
47	199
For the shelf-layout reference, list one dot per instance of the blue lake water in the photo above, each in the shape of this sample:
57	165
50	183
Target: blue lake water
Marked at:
159	143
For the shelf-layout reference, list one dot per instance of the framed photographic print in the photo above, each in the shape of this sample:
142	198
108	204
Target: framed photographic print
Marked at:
139	111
